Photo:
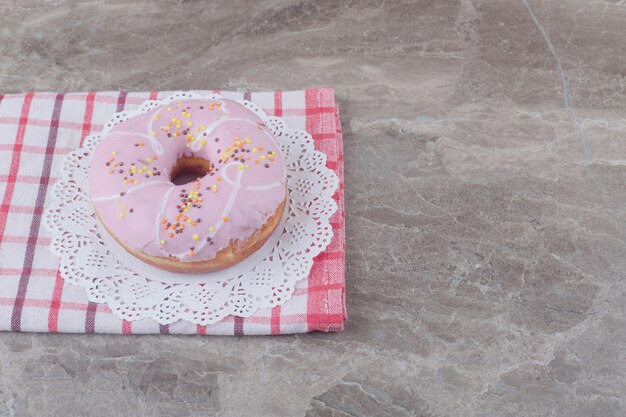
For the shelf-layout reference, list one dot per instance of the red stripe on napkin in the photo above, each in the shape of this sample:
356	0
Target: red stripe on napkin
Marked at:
16	317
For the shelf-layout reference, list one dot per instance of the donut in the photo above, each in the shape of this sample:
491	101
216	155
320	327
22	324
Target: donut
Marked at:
232	205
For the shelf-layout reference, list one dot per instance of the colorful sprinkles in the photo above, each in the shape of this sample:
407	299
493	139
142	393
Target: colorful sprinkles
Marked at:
178	123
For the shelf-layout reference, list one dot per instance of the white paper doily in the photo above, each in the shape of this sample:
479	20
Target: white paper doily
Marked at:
134	290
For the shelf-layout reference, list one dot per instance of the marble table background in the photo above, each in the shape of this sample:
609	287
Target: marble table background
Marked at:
485	145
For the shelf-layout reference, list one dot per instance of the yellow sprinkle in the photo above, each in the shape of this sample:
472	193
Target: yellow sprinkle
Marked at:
247	166
114	153
122	215
124	207
263	157
148	160
180	104
203	142
248	140
196	237
189	124
149	172
153	133
197	129
135	182
188	145
211	229
117	203
162	241
186	209
255	149
239	167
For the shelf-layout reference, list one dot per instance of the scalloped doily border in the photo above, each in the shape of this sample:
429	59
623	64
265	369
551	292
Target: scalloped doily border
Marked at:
133	296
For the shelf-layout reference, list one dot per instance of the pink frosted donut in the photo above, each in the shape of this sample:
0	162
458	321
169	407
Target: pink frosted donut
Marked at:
207	224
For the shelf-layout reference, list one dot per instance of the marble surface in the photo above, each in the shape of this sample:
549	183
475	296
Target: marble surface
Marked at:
485	146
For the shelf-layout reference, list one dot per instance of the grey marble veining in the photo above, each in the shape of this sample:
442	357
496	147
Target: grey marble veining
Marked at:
485	156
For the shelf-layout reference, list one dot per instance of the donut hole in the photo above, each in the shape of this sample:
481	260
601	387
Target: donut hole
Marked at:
188	169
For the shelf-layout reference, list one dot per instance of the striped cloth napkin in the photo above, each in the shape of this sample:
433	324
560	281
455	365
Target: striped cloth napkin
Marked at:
38	129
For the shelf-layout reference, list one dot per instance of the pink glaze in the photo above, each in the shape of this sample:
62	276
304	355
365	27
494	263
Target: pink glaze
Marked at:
228	204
